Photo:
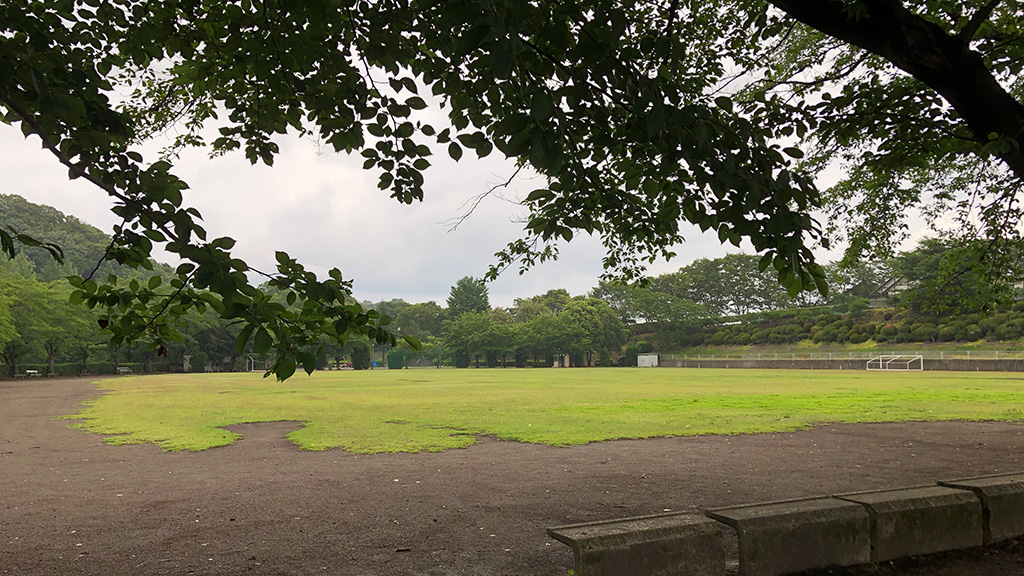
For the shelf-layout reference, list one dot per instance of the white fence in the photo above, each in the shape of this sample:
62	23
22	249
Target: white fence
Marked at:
866	355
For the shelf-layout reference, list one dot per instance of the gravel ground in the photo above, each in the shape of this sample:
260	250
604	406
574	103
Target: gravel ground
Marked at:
70	504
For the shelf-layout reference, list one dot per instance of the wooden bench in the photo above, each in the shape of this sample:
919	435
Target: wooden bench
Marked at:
123	370
33	374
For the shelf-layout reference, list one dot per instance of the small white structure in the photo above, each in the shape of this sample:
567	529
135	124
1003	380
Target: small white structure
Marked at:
647	360
898	362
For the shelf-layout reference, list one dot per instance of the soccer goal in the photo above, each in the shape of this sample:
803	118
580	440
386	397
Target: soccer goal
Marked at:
897	362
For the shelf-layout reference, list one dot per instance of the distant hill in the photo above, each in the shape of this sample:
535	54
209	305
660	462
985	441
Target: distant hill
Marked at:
83	244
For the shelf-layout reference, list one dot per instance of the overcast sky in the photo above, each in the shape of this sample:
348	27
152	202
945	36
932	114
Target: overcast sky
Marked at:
326	211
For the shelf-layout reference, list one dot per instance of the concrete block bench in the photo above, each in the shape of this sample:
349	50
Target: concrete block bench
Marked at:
677	544
915	521
1002	501
793	536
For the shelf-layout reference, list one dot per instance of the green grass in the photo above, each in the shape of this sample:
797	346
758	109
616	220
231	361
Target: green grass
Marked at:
431	410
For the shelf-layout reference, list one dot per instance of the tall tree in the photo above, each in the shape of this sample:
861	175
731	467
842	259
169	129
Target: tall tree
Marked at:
468	295
945	277
605	333
640	115
422	320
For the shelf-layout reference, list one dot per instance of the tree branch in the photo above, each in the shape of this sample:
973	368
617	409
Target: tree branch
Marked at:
928	53
971	28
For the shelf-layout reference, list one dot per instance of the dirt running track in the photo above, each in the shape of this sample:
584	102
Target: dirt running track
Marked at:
70	504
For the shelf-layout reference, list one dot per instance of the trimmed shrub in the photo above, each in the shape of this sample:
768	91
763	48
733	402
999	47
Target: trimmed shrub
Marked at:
1008	331
396	359
629	355
361	359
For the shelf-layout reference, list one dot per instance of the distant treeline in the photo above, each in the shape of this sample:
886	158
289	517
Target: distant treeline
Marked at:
726	301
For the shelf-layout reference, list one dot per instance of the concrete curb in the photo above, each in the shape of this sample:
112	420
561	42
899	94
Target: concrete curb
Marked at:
785	537
791	536
915	521
677	544
1002	500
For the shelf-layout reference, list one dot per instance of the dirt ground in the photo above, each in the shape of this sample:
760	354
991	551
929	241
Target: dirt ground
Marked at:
70	504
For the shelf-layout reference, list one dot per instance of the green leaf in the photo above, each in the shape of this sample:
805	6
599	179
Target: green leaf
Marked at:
501	60
455	151
243	337
285	368
793	152
263	341
413	342
308	362
542	107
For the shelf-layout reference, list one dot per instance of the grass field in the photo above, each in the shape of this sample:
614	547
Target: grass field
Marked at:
430	410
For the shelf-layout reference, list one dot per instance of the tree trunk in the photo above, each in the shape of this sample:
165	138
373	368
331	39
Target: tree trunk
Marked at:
51	359
12	361
922	49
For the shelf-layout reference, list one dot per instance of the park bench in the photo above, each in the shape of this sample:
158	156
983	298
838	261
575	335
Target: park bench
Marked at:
123	370
32	373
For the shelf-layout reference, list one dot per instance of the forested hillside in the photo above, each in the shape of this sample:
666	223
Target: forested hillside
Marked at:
83	245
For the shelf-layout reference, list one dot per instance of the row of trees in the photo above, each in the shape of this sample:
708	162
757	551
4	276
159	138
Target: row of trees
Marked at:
39	325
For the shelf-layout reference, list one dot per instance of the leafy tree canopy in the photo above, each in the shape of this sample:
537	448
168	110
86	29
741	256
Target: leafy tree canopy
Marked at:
468	295
640	116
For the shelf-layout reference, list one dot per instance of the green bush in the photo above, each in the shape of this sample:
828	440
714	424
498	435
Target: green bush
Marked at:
1008	331
396	359
361	359
629	355
924	333
643	347
605	359
858	305
462	359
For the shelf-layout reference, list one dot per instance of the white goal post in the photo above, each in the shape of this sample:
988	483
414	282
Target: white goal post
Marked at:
897	362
